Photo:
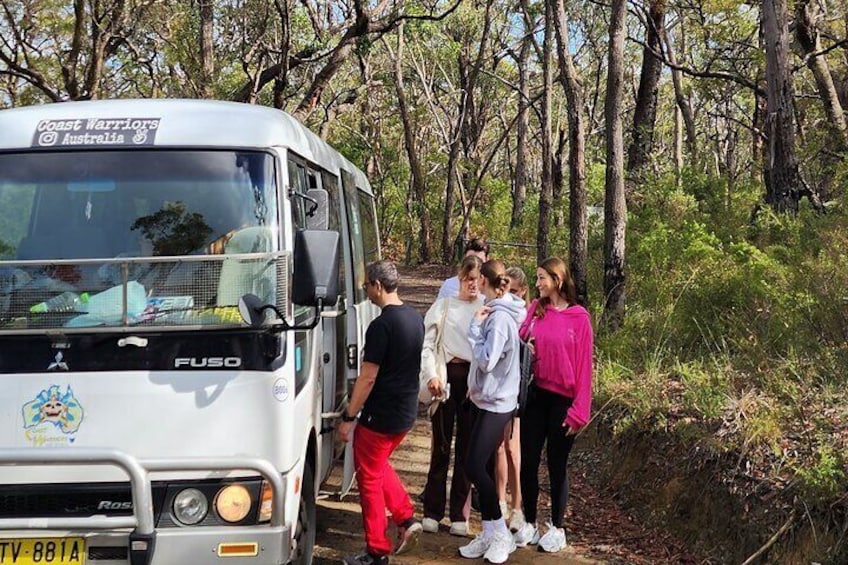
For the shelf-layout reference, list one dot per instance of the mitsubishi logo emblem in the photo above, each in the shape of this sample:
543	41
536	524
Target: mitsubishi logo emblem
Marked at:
58	364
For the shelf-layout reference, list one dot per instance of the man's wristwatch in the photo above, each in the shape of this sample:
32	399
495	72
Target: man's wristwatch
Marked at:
346	418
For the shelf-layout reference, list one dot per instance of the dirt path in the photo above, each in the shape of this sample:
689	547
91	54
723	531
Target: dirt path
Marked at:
340	522
598	530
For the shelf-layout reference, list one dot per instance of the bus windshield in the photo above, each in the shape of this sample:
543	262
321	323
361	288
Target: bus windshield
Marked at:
152	238
105	204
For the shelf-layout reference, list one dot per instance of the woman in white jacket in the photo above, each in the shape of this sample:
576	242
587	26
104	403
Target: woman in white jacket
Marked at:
445	363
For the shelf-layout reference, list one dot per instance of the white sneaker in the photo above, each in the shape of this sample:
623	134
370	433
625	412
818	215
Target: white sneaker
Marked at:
409	536
527	535
553	540
500	547
517	521
459	529
477	548
430	526
504	509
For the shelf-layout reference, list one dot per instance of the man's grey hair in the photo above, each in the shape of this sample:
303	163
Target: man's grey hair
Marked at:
383	271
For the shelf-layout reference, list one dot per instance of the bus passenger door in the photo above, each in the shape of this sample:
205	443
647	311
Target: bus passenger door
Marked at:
334	324
360	311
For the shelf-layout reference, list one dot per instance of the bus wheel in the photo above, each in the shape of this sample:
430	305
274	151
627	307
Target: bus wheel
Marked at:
306	519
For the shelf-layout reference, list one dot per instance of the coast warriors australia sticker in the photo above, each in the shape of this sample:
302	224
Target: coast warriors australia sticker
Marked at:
95	131
52	417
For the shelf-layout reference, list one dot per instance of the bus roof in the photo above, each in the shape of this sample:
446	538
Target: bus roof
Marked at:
146	123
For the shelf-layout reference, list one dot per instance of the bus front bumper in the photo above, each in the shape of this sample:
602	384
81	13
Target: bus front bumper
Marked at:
134	540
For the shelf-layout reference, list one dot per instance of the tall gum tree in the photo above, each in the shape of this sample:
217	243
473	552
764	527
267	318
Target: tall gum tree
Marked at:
578	243
782	176
645	112
615	206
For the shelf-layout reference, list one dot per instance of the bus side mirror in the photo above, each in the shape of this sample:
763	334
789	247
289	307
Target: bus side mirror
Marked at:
252	310
316	267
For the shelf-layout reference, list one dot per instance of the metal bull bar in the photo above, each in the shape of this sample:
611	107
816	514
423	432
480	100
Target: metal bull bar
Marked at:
142	538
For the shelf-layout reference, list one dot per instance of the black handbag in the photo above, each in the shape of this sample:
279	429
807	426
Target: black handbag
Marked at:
526	379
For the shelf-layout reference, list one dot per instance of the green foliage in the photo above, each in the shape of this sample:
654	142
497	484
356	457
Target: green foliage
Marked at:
824	476
736	329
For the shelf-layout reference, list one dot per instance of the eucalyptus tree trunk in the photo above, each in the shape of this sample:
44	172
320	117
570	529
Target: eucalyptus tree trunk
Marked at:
678	146
207	49
281	79
519	191
687	114
578	224
468	71
419	188
809	41
645	113
782	177
543	246
97	33
615	206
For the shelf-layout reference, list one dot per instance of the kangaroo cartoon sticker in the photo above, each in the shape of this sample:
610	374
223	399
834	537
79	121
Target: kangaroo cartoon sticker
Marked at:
52	406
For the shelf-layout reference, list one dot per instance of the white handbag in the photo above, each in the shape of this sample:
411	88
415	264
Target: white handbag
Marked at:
433	363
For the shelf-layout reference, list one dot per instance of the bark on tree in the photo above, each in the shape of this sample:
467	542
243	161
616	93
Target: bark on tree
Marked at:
207	53
519	191
578	225
645	113
462	135
92	45
682	100
809	41
543	245
419	188
281	78
615	207
782	177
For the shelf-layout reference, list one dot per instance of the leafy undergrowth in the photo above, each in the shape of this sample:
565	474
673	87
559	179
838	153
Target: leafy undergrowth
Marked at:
726	458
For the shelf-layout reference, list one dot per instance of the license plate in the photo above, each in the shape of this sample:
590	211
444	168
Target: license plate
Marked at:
51	551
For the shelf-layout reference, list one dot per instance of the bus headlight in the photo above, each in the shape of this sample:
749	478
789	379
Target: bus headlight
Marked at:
190	506
232	503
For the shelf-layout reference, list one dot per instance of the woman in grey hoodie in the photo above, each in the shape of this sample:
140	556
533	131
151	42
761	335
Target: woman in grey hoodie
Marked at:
493	391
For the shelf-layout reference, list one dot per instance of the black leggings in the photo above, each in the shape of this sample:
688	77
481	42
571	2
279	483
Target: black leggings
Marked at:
542	422
487	431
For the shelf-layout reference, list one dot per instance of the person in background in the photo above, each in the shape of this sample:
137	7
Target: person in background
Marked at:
454	315
559	333
508	469
385	403
474	246
493	391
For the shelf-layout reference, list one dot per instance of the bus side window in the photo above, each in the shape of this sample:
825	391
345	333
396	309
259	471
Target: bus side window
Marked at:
355	233
334	210
370	232
295	185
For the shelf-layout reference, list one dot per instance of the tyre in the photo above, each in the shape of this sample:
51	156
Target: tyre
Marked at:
305	528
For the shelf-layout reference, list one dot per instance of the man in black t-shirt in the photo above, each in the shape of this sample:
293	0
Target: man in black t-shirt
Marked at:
385	396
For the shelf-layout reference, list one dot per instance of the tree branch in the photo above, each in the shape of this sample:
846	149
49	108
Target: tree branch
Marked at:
721	75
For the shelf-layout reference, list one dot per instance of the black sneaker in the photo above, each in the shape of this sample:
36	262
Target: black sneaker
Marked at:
365	558
408	534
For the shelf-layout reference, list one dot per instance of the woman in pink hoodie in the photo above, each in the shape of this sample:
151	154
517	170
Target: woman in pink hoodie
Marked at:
559	332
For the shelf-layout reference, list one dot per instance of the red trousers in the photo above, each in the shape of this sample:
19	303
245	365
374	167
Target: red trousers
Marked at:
379	487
